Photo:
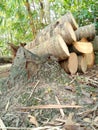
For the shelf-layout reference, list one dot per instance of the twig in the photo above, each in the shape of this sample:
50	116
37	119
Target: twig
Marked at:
50	106
61	110
33	90
38	128
3	127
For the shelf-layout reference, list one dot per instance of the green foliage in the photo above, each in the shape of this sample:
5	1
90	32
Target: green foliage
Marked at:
15	21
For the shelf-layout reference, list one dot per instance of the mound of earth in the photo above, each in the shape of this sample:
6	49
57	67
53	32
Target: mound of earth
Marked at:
36	81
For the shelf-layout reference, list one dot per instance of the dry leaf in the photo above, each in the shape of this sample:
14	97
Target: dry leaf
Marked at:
69	120
88	120
33	120
96	119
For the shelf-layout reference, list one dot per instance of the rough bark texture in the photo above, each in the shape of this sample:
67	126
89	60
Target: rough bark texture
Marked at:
87	31
58	27
70	65
95	43
68	17
54	46
82	64
65	30
90	59
82	47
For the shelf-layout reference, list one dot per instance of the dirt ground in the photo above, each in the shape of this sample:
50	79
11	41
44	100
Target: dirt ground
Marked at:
50	85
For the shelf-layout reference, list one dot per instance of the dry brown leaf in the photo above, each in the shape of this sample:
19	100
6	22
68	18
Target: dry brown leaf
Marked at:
33	120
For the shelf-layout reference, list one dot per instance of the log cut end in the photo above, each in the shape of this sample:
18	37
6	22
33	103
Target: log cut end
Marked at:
70	36
72	20
82	64
70	65
90	59
64	48
83	47
73	63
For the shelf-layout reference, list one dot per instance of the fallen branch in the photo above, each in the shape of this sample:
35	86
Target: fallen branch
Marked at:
50	106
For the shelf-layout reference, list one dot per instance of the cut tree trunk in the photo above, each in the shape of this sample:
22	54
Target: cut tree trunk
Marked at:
82	47
68	17
87	31
82	64
95	43
70	65
65	30
90	59
54	46
58	26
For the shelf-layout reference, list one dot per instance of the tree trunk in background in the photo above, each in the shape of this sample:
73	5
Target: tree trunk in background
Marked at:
42	13
47	12
70	65
87	31
54	46
82	64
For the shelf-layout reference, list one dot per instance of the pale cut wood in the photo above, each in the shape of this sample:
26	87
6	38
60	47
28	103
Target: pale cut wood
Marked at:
70	65
66	31
54	46
90	59
83	47
84	40
95	43
82	64
87	31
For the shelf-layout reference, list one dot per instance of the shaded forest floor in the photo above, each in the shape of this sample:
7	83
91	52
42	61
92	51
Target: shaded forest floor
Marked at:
48	86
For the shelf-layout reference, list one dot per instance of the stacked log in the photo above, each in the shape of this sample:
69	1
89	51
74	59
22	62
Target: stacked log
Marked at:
65	41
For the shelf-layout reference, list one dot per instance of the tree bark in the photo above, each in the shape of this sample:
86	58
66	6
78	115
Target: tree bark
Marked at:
90	59
82	64
87	31
95	43
54	46
83	47
70	65
61	26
